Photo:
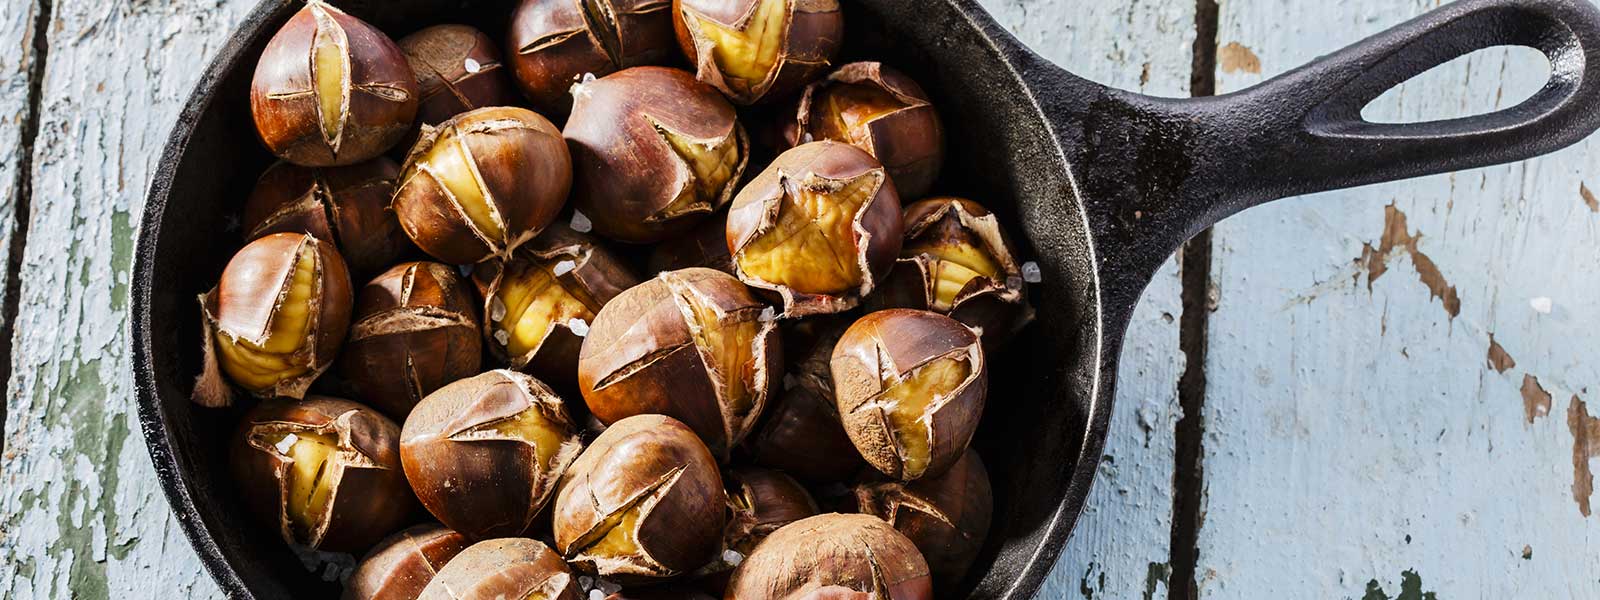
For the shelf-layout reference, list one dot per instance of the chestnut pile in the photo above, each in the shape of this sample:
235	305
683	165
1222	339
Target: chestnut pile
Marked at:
601	347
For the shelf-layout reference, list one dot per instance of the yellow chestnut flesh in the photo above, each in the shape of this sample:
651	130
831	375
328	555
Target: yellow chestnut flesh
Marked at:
620	540
532	426
259	367
747	56
729	342
328	69
451	162
534	299
712	165
811	249
953	266
843	111
908	400
309	491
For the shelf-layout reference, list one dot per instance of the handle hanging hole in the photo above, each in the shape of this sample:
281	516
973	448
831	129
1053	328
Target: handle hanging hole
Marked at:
1499	77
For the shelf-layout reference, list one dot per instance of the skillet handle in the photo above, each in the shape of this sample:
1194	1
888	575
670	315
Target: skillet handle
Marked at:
1156	171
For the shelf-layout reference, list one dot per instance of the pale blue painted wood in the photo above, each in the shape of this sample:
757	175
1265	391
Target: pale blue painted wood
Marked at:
1357	437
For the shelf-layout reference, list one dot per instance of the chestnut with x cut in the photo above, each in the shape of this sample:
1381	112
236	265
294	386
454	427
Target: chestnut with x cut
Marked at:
331	90
753	50
553	43
910	386
802	434
654	151
819	228
482	183
510	568
458	69
415	331
348	206
947	516
404	563
323	472
484	454
877	109
691	344
275	321
833	556
642	503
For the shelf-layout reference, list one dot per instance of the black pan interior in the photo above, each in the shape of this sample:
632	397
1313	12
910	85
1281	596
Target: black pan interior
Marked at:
1000	152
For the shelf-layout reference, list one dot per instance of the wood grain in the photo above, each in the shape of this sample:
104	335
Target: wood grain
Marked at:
83	516
1365	436
1120	546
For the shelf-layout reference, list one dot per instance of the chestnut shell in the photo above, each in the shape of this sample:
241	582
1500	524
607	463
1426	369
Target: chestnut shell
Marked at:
401	565
813	32
415	330
458	69
504	568
348	206
909	140
553	43
947	516
833	556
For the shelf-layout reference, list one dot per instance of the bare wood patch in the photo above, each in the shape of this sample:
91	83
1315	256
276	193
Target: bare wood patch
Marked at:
1397	238
1499	359
1235	57
1535	400
1585	445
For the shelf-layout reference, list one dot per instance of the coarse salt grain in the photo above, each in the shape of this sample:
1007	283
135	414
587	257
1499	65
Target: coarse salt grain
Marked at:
564	267
579	327
286	443
581	222
1543	304
502	337
608	586
497	309
1030	272
473	66
768	315
732	557
586	582
597	595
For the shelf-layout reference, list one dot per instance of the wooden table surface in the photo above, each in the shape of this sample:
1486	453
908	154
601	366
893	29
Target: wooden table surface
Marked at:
1379	393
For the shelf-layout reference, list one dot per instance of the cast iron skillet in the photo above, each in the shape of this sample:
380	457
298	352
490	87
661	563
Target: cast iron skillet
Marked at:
1101	185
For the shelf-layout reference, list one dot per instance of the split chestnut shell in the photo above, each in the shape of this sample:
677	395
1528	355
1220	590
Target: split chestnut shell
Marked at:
754	50
504	568
348	206
801	433
323	472
947	516
880	110
910	386
415	330
484	454
691	344
554	43
482	183
833	556
458	69
643	502
403	564
331	90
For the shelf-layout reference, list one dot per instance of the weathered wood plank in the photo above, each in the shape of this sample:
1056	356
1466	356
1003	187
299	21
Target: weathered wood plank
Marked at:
1120	547
81	511
1369	431
18	22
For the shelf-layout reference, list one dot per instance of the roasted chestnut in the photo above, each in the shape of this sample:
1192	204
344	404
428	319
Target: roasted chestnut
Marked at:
877	109
484	454
403	564
348	206
801	433
758	49
691	344
482	183
458	69
542	300
661	593
331	90
275	320
947	516
504	568
833	556
553	43
322	472
761	501
643	502
704	246
819	227
415	330
957	261
910	386
653	151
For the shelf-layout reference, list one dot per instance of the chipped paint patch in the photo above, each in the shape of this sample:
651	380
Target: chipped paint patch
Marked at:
1158	575
1397	239
1527	552
1499	359
1585	445
1410	589
1235	57
1535	400
1588	198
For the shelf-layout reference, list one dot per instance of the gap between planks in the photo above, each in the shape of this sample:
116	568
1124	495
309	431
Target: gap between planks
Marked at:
1188	479
22	210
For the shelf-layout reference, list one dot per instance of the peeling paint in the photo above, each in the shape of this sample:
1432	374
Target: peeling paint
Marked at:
1397	238
1235	57
1588	198
1499	359
1535	400
1585	445
1410	589
1158	575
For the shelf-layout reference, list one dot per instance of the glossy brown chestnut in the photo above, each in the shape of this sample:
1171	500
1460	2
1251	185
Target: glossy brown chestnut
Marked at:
348	206
542	300
482	183
484	454
691	344
833	556
331	90
910	386
555	43
760	501
403	564
643	502
877	109
322	472
753	50
704	246
819	228
801	433
661	593
654	152
947	516
458	69
415	330
957	261
504	568
275	320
